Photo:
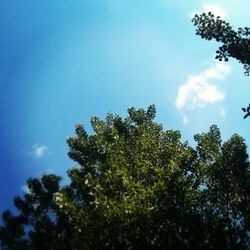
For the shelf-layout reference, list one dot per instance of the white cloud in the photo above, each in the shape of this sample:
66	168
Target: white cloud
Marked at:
198	91
216	9
39	150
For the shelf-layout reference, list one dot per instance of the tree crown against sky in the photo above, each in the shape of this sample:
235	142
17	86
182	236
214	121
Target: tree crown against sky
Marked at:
235	44
107	60
138	186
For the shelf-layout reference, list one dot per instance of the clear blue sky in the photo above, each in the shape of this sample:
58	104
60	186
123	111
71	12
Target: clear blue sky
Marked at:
62	62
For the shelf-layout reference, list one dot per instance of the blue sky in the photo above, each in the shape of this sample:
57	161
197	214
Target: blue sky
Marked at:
62	62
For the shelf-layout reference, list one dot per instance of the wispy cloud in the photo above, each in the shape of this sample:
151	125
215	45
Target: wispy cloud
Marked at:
201	89
216	9
39	150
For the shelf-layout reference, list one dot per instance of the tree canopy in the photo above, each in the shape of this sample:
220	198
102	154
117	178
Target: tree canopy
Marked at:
235	44
138	186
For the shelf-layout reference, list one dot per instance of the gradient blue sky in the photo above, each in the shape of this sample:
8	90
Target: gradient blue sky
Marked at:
62	62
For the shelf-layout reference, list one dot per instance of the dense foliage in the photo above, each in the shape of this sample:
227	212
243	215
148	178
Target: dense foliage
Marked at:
138	186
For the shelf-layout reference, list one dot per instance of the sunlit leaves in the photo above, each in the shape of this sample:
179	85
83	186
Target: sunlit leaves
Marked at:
138	186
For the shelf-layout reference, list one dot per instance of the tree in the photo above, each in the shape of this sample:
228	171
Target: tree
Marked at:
138	186
235	44
225	180
40	225
133	185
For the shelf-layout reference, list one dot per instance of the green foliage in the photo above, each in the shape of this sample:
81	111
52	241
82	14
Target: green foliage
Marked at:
235	44
130	171
39	224
138	186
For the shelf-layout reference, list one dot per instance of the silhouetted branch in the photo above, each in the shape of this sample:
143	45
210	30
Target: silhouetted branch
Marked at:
247	110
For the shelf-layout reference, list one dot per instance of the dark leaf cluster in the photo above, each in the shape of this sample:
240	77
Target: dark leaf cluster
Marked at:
235	44
247	111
